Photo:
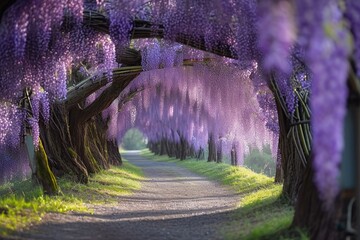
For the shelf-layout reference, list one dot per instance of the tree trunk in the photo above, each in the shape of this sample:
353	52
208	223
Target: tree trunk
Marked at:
163	146
114	153
233	154
212	149
200	154
183	148
152	147
97	141
56	140
310	214
219	155
81	119
169	149
156	148
292	166
43	173
79	135
177	148
192	152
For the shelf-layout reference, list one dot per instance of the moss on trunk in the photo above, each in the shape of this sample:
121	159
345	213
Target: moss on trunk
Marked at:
44	174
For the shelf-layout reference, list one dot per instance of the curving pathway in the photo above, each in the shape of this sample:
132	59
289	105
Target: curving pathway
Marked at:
173	203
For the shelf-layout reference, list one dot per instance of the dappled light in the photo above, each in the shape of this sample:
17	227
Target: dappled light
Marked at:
261	96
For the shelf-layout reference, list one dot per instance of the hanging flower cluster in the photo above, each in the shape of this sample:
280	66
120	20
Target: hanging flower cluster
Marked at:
41	40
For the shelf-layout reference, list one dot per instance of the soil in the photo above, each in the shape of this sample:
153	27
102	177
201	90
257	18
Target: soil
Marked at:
173	203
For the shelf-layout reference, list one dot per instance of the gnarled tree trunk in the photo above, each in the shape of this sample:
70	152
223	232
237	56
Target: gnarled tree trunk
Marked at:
311	214
80	121
114	154
292	166
58	145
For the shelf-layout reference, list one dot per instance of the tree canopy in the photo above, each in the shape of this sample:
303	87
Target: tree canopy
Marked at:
51	46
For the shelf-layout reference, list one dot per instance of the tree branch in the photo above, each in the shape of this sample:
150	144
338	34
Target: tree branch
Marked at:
106	97
82	90
129	57
145	29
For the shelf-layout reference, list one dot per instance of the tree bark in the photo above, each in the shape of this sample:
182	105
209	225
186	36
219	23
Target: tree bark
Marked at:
57	143
79	136
292	168
43	172
183	147
310	213
79	120
162	147
169	149
219	155
114	153
107	97
234	160
212	149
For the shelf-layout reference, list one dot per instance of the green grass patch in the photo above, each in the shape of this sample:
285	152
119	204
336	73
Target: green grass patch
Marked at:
106	186
262	213
23	202
241	179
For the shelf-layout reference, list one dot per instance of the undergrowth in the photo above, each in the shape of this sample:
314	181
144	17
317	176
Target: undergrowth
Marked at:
262	214
23	203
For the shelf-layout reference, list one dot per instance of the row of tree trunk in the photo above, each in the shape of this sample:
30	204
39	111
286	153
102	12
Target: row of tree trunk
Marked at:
75	142
179	150
183	149
297	179
78	148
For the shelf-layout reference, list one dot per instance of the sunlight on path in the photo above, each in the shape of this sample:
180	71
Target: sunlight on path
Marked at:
173	203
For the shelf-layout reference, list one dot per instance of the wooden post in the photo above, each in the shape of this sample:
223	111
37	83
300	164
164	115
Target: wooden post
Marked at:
31	153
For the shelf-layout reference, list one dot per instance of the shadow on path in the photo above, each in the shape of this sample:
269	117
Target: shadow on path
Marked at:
173	203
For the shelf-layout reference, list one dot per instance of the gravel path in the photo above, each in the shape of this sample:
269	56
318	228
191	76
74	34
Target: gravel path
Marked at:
173	203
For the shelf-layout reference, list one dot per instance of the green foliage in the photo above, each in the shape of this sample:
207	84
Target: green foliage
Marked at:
133	140
261	215
23	203
26	203
261	161
261	197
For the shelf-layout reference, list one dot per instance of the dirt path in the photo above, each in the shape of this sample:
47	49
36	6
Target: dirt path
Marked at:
173	203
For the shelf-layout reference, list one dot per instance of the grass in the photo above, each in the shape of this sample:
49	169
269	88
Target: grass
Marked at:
23	203
262	213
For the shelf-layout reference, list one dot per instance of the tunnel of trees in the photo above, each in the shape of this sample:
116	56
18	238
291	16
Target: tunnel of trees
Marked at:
195	77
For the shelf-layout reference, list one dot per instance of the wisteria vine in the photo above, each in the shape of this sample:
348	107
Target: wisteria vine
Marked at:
41	41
